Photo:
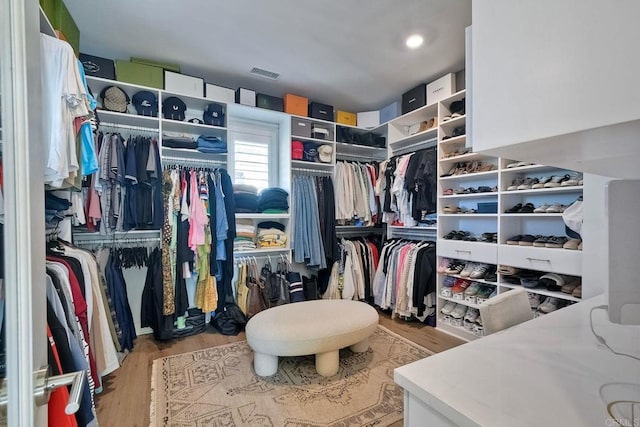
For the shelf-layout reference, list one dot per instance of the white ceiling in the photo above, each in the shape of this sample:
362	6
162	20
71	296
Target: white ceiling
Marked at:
347	53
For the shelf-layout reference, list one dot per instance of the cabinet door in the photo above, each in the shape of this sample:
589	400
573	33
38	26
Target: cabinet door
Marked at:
546	68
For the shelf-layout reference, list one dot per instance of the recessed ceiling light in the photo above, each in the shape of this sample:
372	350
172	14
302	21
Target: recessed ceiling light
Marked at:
414	41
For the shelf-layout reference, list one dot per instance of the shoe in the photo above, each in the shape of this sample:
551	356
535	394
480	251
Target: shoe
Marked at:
444	263
529	281
455	267
534	300
447	284
527	208
491	275
527	240
472	290
556	208
459	311
541	182
568	288
513	165
494	293
542	208
468	268
527	183
541	241
550	304
572	181
484	293
450	209
471	315
448	308
577	292
460	286
479	271
507	270
514	240
556	242
515	183
580	246
572	244
448	192
514	209
556	181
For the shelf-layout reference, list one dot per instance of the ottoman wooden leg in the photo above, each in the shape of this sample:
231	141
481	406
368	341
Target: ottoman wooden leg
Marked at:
327	363
360	347
265	365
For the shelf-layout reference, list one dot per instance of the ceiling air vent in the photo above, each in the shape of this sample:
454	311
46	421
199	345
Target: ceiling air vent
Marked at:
264	73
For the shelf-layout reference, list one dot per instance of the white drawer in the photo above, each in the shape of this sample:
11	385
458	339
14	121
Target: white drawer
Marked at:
470	251
561	261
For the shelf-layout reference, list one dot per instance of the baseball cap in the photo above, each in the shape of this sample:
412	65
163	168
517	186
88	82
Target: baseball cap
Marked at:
552	281
174	108
214	115
196	121
310	152
297	150
114	99
324	153
146	103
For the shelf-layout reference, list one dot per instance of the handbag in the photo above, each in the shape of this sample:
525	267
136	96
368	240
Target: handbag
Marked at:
230	320
280	278
271	285
255	297
310	287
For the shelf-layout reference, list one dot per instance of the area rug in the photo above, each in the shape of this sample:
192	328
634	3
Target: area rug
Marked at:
218	387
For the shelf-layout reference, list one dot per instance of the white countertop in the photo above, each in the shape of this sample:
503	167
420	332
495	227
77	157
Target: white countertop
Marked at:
545	372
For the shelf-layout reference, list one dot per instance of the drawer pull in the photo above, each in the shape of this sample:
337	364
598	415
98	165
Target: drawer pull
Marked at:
463	252
539	259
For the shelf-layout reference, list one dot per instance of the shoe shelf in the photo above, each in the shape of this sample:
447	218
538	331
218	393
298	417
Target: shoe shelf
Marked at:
542	291
553	260
463	158
455	141
127	119
316	140
470	195
459	301
532	215
457	276
470	176
451	124
566	189
458	331
533	170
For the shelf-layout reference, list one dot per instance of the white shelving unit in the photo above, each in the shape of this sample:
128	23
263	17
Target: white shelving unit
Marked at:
562	261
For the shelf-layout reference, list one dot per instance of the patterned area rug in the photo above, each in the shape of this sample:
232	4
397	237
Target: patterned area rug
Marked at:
217	387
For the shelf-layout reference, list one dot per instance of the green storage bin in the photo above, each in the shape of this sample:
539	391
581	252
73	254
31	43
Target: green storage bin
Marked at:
164	65
139	74
62	21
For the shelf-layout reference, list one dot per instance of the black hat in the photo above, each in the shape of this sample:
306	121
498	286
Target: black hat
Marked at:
146	103
214	115
310	152
114	99
457	107
196	121
173	108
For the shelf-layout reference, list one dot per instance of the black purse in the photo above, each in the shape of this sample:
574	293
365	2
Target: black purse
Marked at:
230	320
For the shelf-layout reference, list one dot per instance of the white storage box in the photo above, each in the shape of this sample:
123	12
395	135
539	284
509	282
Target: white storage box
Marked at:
246	97
440	89
368	119
220	94
183	85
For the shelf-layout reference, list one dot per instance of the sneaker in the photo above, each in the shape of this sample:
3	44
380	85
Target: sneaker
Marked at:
491	275
494	293
572	244
556	181
459	311
534	300
556	242
448	308
527	183
550	304
479	271
527	240
444	263
568	288
541	182
507	270
460	286
471	292
572	181
466	271
542	208
577	292
515	184
455	267
541	241
471	315
556	208
514	240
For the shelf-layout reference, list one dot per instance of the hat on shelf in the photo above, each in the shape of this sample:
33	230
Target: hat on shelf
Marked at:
174	108
297	150
214	115
196	121
146	103
325	153
310	152
114	99
457	108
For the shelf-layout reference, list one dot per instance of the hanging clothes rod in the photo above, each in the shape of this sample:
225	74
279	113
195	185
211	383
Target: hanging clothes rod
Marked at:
192	162
121	126
313	171
117	241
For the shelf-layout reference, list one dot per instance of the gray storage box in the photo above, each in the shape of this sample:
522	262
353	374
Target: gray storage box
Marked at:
300	127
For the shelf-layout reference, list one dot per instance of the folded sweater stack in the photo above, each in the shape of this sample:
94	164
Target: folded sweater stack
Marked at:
271	234
273	200
246	198
245	236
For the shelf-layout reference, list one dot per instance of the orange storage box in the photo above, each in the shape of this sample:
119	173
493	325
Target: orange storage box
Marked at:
296	104
346	118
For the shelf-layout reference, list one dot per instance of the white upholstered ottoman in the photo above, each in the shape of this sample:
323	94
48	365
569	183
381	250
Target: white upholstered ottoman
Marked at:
320	327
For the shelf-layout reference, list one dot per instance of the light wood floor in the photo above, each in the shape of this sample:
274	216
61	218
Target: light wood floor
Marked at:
126	396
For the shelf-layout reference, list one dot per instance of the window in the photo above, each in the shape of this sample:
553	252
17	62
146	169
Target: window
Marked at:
254	157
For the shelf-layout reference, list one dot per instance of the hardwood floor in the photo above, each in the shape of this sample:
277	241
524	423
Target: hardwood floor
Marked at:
126	393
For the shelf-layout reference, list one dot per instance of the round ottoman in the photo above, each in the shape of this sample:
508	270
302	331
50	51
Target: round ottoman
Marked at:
320	327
